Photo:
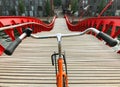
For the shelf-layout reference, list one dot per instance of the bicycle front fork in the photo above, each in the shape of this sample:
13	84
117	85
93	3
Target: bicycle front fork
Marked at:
61	76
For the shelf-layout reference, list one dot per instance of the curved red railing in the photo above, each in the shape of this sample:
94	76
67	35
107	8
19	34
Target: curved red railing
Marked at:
9	24
106	24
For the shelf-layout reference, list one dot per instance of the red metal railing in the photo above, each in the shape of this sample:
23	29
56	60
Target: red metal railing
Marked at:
107	24
10	23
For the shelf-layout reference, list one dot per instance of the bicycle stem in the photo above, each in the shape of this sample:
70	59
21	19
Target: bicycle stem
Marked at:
59	39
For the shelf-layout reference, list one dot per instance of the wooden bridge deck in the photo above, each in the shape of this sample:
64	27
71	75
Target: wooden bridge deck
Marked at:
90	62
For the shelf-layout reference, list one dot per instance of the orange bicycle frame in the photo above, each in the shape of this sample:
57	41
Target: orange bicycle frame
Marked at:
61	75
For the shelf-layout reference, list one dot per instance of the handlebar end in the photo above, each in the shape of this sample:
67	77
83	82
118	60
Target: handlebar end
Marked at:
109	40
10	49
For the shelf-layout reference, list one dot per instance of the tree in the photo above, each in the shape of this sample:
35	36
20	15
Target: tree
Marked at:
47	8
12	11
57	2
74	6
21	7
101	5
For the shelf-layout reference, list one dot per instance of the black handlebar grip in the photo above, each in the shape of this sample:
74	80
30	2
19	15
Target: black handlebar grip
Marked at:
28	31
10	49
109	40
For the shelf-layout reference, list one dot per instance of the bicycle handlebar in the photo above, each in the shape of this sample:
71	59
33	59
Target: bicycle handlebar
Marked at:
109	40
10	49
65	35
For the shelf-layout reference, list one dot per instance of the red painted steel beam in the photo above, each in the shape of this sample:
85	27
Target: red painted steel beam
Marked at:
105	24
106	7
9	24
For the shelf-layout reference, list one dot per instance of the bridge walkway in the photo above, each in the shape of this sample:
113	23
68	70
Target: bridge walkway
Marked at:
90	62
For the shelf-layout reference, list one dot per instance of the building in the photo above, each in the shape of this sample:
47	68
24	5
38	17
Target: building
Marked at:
117	7
34	7
25	7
